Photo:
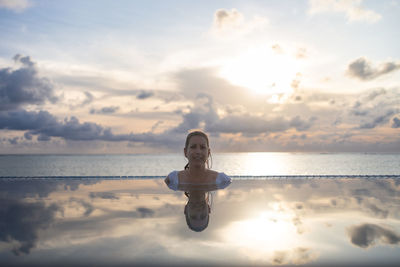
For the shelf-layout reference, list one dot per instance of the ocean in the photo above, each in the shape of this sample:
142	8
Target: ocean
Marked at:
233	164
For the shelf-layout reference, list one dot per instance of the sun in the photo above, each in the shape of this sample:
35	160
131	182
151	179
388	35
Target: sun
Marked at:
262	71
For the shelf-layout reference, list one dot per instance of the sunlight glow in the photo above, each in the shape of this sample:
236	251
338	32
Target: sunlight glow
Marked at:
262	71
259	237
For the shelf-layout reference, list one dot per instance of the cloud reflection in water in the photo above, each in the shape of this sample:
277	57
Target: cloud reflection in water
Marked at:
300	221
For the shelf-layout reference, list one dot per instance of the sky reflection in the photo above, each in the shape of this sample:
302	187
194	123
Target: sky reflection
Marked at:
273	222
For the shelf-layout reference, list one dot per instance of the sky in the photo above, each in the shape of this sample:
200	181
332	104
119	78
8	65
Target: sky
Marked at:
256	76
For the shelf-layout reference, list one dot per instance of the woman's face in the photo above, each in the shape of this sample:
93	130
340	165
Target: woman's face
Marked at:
197	150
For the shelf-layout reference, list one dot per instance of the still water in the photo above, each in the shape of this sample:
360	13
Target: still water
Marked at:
118	222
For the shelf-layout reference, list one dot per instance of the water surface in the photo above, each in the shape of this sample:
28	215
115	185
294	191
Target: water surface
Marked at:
122	222
231	163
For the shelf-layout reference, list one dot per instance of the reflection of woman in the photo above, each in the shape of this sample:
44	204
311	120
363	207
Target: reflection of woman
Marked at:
196	179
197	210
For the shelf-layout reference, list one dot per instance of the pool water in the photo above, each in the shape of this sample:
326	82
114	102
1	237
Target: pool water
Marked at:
119	222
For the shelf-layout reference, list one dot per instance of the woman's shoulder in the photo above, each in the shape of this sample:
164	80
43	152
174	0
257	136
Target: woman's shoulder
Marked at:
221	176
173	174
223	180
172	180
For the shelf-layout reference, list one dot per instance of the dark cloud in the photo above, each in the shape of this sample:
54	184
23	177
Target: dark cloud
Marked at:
366	235
375	93
105	110
40	188
28	136
362	69
23	86
88	100
45	125
381	119
145	212
301	125
87	206
376	107
295	136
378	212
144	94
25	120
204	113
13	141
362	107
256	125
21	222
396	122
103	195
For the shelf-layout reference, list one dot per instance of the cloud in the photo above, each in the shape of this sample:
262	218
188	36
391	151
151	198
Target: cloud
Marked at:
375	93
88	100
366	235
379	120
353	9
89	208
40	188
105	110
396	122
195	81
45	125
362	69
23	86
13	141
145	212
144	94
204	115
103	195
373	108
232	22
21	222
227	19
256	125
295	256
15	5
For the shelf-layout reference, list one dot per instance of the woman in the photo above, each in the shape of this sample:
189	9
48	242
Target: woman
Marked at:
197	172
195	178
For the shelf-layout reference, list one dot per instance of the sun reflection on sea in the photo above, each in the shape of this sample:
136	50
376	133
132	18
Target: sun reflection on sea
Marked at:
266	163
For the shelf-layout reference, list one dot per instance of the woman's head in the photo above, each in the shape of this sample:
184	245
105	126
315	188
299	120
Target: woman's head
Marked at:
197	148
196	133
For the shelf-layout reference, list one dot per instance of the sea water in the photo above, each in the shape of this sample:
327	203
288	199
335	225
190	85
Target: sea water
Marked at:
233	164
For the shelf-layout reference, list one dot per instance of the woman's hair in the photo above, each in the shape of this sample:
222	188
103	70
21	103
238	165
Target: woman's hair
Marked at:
196	133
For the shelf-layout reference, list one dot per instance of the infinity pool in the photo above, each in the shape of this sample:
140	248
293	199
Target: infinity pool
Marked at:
116	222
